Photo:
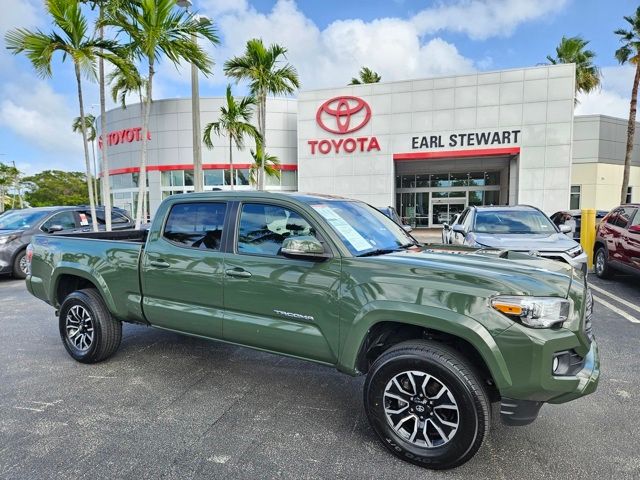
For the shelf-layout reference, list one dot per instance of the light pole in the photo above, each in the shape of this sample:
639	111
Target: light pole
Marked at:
198	180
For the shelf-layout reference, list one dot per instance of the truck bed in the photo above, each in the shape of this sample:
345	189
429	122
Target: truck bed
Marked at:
108	261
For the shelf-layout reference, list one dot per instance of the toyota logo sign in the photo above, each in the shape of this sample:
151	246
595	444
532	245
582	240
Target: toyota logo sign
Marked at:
343	114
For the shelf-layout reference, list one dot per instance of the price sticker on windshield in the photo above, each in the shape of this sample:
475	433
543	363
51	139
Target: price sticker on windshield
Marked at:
83	220
349	233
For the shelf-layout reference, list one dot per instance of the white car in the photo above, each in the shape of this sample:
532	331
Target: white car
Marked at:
519	228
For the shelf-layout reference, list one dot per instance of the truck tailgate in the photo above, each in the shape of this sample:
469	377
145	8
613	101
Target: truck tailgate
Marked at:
109	265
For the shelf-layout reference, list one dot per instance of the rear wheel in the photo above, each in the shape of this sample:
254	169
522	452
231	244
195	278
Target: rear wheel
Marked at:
426	405
20	265
88	331
601	264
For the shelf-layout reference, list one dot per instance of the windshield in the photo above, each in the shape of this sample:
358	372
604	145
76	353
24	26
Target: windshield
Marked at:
513	222
20	220
363	229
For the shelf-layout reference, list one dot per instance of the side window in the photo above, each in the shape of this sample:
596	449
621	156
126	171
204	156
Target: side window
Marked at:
636	218
66	219
613	217
467	221
116	218
462	217
624	217
263	228
196	225
85	218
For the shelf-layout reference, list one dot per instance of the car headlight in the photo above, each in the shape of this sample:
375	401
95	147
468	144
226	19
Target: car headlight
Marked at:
575	251
534	312
8	238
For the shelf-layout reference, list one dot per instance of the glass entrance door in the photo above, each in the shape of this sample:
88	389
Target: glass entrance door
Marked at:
443	210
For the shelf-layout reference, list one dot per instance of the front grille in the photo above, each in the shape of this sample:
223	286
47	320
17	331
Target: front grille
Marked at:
588	315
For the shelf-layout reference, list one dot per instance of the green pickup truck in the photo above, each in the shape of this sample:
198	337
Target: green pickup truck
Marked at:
440	333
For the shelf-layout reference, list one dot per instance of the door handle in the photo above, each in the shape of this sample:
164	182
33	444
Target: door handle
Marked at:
159	264
237	272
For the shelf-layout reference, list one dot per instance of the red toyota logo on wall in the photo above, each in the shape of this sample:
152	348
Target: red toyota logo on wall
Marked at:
343	114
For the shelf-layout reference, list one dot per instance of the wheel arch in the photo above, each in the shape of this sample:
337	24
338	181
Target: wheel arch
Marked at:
381	329
66	280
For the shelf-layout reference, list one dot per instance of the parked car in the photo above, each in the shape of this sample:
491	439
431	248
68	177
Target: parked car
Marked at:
337	282
18	227
393	215
519	228
617	246
573	218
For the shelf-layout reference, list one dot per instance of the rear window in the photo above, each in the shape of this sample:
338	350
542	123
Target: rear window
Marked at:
196	225
513	222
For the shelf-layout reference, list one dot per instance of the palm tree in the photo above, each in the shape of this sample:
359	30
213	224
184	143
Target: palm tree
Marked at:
271	164
630	52
262	67
90	126
365	75
127	81
69	37
102	6
573	50
155	29
234	123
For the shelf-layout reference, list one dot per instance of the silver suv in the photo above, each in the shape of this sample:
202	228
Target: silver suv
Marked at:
519	228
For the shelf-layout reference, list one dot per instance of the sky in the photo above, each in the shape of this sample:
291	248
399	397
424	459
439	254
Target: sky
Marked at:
327	41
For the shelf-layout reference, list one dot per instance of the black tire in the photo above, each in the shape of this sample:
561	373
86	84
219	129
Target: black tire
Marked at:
106	331
601	265
450	370
17	270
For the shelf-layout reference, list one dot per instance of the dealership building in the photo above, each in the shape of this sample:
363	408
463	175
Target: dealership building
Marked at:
428	147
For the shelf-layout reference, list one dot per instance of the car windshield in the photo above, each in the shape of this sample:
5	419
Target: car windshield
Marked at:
363	229
20	220
513	222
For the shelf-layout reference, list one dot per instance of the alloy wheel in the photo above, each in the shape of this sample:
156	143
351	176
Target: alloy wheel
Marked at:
600	262
421	409
23	265
79	327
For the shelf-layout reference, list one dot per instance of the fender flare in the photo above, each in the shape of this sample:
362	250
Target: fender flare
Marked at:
429	317
65	268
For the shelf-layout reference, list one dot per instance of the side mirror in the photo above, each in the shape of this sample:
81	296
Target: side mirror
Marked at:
564	228
304	246
407	228
458	229
55	228
634	228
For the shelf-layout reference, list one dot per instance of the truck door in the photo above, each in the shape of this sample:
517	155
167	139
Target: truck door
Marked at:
274	302
182	269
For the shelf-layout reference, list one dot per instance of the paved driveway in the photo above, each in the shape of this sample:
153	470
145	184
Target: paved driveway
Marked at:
168	406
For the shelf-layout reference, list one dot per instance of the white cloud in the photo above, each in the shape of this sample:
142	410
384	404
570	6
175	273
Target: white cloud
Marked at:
613	98
42	117
394	47
481	19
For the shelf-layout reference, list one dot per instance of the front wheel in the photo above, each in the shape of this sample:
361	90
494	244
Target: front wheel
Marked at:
88	331
20	268
601	264
427	405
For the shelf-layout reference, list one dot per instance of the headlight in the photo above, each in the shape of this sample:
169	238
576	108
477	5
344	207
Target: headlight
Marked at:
8	238
534	312
575	251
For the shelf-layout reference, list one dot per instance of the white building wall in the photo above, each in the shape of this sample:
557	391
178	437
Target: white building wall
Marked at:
537	101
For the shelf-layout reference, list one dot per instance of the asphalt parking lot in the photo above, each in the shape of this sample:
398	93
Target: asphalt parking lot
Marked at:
168	406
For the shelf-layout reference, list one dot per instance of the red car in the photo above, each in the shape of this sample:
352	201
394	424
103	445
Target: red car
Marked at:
617	246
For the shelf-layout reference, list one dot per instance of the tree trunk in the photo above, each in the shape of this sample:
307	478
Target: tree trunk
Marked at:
142	178
262	112
631	130
95	173
85	144
233	180
106	186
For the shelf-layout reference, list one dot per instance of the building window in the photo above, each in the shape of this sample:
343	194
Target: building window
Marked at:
574	198
123	180
629	195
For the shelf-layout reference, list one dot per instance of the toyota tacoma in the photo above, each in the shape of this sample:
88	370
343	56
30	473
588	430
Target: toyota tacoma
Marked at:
441	333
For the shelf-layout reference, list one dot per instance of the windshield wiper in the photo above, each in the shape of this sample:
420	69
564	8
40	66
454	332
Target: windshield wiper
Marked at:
378	251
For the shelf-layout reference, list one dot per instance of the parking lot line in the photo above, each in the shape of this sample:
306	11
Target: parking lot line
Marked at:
615	309
616	298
